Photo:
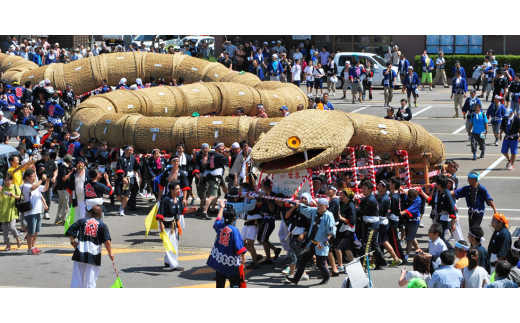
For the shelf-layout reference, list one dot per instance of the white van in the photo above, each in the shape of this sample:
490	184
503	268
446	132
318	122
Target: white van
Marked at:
167	40
378	63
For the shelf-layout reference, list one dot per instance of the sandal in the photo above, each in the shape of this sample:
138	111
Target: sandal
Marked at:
18	242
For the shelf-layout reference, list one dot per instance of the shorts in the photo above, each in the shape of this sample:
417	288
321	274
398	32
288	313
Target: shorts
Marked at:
118	189
383	229
310	84
297	83
357	88
509	145
411	231
249	232
410	92
426	78
264	232
318	83
209	188
515	106
34	223
343	240
496	128
347	85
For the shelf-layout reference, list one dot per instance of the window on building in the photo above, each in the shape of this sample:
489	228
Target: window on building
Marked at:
359	43
454	44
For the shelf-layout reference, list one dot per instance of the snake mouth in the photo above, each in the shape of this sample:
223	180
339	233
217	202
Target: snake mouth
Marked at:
291	160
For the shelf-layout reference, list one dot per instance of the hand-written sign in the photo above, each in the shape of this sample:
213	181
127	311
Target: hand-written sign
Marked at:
287	183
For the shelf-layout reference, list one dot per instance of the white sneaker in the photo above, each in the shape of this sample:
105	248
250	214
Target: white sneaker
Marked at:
286	271
305	277
333	94
121	212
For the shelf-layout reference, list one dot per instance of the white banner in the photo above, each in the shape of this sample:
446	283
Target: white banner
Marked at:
300	37
287	183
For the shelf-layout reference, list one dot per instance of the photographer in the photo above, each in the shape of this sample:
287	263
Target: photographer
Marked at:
64	173
229	47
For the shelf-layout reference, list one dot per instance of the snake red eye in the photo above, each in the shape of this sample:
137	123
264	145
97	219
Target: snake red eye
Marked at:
293	142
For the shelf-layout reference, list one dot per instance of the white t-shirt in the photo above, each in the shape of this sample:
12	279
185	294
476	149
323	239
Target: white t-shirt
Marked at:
415	274
297	56
309	70
36	198
296	71
475	278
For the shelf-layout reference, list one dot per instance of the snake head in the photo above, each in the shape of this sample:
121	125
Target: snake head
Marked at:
302	140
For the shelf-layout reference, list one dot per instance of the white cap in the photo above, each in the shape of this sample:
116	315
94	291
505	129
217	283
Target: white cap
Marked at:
235	145
57	44
266	43
275	56
347	62
410	68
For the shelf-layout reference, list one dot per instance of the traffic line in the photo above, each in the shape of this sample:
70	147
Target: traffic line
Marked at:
490	168
421	111
363	108
188	258
458	130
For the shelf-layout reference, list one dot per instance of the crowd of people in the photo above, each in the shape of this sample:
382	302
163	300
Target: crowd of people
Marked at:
322	232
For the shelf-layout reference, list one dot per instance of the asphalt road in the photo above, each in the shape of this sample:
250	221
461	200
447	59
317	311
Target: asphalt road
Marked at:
139	260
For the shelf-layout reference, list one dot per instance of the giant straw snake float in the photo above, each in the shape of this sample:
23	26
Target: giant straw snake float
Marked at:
149	118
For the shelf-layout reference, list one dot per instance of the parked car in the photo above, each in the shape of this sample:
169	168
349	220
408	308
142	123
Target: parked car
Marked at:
167	40
113	40
198	39
378	63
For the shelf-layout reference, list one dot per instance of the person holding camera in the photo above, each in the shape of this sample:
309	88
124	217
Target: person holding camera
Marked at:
389	81
31	191
427	70
229	47
65	171
94	191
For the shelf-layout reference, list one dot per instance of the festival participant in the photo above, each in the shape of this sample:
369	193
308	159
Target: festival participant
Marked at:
514	91
393	216
122	84
125	183
209	169
411	219
500	242
186	165
384	224
356	82
65	171
77	187
267	226
510	126
369	210
334	206
459	89
156	167
171	220
322	229
495	113
299	228
86	236
94	191
345	232
411	85
242	169
446	276
228	246
461	250
174	174
427	70
48	167
74	147
468	109
474	275
443	207
476	195
513	258
404	113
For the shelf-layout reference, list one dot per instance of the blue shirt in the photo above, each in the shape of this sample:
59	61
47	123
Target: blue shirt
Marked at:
326	226
496	114
328	106
413	83
427	67
469	105
386	81
403	66
462	72
225	255
502	283
482	195
479	122
446	277
459	86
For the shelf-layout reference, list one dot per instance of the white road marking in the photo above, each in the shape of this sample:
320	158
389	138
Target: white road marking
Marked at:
490	168
503	177
363	108
421	111
458	130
